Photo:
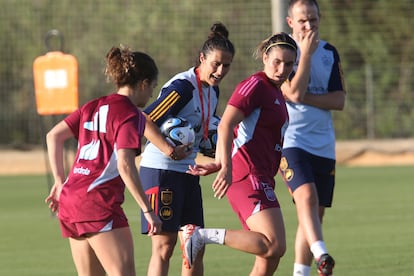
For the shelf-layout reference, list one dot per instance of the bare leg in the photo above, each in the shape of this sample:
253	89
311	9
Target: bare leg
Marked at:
115	251
303	255
309	227
86	262
162	250
266	240
197	266
197	269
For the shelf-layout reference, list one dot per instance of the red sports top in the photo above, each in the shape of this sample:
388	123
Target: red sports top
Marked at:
94	190
259	137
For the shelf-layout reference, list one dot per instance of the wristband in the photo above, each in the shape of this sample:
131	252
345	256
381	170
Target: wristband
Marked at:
148	211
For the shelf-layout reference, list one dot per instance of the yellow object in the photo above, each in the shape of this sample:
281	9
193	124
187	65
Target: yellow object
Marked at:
56	83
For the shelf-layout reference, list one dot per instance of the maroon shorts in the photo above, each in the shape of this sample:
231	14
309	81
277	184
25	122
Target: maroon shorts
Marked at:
81	229
251	195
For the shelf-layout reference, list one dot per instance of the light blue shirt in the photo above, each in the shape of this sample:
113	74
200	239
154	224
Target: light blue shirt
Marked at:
311	128
180	97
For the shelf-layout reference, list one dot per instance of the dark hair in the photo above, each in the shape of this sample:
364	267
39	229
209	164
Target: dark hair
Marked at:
125	67
305	2
282	40
218	39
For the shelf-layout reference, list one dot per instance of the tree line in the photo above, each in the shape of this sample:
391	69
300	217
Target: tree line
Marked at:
373	38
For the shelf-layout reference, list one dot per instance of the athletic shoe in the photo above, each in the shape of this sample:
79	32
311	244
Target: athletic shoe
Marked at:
325	265
193	243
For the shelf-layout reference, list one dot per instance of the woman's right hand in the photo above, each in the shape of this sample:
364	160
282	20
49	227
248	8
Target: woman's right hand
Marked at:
53	198
181	152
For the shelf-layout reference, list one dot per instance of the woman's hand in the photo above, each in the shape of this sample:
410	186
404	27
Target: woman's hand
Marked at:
181	152
222	182
154	222
203	169
53	198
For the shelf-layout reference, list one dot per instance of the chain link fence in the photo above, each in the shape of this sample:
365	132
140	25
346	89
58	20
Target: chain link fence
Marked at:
172	32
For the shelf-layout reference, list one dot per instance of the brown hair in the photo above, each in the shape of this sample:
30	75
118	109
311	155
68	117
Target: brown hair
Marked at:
282	40
127	68
218	39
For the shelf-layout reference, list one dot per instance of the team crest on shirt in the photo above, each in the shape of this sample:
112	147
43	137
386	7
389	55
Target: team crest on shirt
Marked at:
166	197
166	212
269	192
326	60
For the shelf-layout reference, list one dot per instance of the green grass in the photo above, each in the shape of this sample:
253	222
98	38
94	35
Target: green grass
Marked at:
368	230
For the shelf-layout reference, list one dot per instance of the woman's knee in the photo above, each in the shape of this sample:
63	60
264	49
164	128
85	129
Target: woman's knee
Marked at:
274	249
278	250
306	195
163	247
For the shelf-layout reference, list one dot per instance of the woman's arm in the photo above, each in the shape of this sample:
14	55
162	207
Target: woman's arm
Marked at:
231	117
129	174
55	140
154	135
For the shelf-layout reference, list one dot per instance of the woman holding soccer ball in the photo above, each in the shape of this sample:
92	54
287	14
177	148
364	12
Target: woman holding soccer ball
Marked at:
249	147
175	195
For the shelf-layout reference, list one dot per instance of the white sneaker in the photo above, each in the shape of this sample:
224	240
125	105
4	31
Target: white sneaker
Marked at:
192	244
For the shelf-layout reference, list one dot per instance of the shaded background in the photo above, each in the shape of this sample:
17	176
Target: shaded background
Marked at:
374	39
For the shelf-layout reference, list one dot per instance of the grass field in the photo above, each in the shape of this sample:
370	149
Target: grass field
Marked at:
369	230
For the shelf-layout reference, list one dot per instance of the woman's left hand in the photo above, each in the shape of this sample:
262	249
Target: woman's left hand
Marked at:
203	169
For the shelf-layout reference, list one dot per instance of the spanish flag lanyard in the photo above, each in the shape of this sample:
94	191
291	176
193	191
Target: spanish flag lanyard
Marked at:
205	121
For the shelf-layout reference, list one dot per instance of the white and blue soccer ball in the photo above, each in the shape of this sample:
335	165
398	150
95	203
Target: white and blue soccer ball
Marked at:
178	131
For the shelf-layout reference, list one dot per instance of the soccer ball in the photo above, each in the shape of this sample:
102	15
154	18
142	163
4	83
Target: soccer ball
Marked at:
208	146
178	131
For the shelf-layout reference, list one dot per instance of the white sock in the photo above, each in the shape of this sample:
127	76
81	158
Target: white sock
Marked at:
318	248
212	235
301	270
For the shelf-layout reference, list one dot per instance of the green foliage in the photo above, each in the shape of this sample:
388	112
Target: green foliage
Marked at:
377	33
369	228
